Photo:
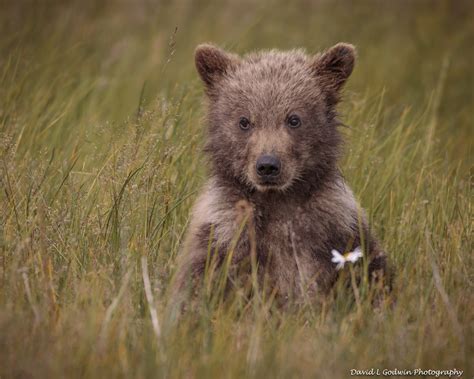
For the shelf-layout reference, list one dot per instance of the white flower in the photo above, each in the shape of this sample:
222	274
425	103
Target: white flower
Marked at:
341	259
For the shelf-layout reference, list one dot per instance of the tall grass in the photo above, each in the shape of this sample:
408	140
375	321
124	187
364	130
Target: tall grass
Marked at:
101	136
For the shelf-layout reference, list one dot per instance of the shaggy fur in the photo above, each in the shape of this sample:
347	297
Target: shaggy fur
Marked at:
295	221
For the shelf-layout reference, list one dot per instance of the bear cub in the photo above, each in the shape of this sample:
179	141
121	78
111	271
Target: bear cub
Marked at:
275	194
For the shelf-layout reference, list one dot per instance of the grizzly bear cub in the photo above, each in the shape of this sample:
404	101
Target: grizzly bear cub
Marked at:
275	191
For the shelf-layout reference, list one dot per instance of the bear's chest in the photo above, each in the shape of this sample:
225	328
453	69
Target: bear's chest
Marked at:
297	229
293	247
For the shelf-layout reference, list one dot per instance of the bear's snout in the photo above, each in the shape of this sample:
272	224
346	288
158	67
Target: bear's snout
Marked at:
268	167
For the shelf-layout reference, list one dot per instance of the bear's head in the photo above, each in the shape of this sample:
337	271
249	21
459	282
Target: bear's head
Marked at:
272	118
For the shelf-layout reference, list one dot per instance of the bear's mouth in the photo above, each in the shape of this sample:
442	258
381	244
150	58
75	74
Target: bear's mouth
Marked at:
269	184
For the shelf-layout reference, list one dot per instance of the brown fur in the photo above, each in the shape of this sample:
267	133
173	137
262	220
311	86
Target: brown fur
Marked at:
294	223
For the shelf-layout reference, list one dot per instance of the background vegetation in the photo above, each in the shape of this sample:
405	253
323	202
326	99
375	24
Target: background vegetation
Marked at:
101	134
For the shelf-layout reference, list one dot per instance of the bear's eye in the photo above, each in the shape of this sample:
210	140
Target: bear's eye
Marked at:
244	123
294	121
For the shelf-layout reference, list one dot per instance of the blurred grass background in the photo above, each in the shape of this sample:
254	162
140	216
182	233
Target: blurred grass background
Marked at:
101	136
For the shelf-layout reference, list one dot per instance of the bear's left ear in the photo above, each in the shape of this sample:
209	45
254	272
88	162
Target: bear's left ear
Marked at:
212	63
334	66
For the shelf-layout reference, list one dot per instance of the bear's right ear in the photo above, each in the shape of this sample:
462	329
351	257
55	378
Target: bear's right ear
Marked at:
333	68
212	63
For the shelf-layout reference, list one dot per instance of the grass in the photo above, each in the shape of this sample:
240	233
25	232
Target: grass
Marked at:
101	136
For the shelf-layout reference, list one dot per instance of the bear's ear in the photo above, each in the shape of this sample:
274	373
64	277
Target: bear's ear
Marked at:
335	65
212	63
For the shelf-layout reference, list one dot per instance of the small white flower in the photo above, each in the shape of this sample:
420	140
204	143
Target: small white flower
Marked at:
341	259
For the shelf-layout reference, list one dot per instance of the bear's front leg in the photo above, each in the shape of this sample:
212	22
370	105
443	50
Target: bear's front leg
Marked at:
215	249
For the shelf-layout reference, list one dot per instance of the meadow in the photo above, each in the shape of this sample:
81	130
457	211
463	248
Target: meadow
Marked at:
101	136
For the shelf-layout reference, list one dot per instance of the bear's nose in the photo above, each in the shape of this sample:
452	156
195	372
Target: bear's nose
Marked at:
268	166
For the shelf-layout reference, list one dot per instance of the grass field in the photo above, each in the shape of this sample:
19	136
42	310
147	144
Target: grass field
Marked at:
101	134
